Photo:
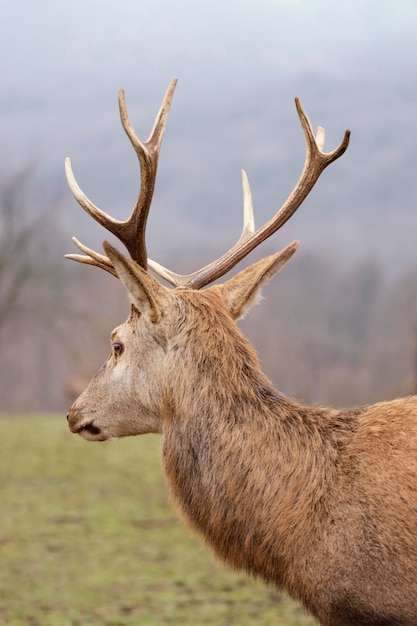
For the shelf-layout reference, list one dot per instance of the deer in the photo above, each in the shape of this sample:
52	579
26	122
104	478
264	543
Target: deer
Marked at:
317	501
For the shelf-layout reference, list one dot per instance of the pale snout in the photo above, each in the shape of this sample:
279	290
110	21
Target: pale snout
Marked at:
80	425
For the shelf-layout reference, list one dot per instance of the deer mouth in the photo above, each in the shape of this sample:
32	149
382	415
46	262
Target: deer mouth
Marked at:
90	428
88	431
79	425
91	432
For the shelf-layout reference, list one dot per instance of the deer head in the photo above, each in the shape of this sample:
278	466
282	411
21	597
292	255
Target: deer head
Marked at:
133	392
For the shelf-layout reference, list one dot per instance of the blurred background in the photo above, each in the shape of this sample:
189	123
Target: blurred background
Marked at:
339	324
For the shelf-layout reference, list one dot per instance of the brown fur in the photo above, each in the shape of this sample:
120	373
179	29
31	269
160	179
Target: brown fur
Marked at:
318	501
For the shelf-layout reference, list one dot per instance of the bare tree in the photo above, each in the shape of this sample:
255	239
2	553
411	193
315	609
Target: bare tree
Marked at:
25	220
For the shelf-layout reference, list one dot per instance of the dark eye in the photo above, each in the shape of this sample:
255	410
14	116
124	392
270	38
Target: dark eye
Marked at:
117	348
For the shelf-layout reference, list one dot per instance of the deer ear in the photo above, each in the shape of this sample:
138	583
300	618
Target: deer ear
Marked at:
244	290
145	292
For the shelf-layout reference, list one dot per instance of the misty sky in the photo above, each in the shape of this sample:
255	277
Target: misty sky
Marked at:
87	34
61	64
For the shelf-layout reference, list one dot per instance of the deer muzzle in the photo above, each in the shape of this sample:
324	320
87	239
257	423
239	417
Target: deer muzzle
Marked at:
79	425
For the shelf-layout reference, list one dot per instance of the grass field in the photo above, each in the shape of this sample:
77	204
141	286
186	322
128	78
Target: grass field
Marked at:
88	537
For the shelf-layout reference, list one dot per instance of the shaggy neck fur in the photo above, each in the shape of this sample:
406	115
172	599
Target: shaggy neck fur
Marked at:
244	463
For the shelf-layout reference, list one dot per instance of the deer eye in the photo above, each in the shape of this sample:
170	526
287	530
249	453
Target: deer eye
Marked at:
117	348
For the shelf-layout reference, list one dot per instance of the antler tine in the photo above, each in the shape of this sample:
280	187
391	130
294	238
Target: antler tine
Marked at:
316	161
131	232
190	280
92	258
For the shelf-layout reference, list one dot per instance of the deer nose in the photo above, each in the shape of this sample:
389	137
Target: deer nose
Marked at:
75	420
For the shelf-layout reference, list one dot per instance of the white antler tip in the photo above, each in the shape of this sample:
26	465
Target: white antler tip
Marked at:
248	219
70	174
320	137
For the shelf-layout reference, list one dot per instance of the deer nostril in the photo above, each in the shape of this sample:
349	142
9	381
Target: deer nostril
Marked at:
67	416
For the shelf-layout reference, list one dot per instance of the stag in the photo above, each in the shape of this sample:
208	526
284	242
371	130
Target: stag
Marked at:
318	501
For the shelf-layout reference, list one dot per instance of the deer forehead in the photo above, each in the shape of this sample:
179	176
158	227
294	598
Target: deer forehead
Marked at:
123	331
193	303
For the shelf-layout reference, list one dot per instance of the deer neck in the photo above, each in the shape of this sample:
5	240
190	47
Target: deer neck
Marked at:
229	438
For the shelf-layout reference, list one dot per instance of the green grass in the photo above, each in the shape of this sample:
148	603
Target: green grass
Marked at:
88	537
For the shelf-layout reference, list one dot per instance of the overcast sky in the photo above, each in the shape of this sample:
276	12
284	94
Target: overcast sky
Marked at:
110	34
58	58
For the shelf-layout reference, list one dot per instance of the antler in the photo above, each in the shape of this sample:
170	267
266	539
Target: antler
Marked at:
132	231
316	161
